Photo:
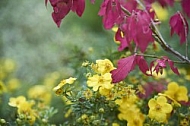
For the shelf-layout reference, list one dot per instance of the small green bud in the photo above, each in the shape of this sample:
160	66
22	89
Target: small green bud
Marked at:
22	116
101	110
96	122
44	120
79	120
2	121
92	117
18	121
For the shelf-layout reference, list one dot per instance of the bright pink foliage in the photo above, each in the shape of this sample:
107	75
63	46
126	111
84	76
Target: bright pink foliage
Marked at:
185	6
62	8
137	29
112	13
179	26
162	63
126	65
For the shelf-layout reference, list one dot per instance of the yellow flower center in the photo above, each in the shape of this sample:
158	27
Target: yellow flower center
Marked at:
158	107
100	80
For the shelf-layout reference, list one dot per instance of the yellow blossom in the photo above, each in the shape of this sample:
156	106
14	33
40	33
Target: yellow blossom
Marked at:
108	93
103	66
184	122
159	109
161	13
25	109
97	81
40	92
58	89
15	102
87	94
178	93
135	118
13	84
2	87
9	65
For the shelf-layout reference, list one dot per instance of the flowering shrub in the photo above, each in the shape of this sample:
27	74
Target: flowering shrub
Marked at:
112	91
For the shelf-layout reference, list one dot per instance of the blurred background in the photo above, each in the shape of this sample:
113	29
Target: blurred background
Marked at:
29	36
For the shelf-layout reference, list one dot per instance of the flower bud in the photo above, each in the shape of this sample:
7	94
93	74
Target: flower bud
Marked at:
101	110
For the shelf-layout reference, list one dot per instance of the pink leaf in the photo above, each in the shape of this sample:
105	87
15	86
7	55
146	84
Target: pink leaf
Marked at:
61	9
78	7
161	64
143	66
123	40
125	66
179	26
174	69
185	6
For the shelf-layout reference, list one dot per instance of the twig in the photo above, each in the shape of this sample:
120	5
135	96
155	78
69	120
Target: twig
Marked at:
161	41
158	57
186	41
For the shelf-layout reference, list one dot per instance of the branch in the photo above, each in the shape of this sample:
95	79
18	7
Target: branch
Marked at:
158	57
157	35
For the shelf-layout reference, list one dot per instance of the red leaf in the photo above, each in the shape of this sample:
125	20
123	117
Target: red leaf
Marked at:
143	66
125	66
174	69
185	6
179	26
78	7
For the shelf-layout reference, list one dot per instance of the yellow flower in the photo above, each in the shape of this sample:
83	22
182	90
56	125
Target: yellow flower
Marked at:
13	84
103	66
97	81
2	87
87	94
40	92
9	65
135	118
108	93
159	109
58	89
15	102
25	109
161	13
178	93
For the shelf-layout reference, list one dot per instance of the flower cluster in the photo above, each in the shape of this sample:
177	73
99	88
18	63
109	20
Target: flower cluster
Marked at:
133	103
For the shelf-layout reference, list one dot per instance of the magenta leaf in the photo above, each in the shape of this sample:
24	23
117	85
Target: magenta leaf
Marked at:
161	64
78	7
179	26
125	65
62	8
111	11
185	6
138	29
143	66
122	39
173	68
